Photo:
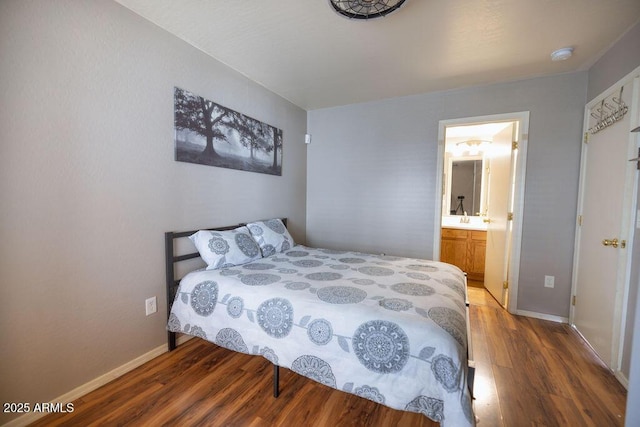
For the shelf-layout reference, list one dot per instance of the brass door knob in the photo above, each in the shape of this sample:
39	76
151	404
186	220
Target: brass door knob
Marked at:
612	242
487	220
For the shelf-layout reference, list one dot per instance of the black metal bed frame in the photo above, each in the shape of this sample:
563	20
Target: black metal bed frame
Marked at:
172	283
172	287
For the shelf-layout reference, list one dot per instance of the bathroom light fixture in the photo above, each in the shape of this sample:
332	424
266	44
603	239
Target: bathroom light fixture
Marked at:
473	145
365	9
562	54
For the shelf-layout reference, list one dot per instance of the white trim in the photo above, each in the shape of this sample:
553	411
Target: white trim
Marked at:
542	316
94	384
437	221
518	202
518	210
622	379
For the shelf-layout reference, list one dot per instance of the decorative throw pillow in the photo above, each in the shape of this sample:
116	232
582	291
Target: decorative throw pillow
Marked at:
226	248
272	236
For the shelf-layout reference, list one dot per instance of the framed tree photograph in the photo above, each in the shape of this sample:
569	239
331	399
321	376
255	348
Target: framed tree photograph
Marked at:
211	134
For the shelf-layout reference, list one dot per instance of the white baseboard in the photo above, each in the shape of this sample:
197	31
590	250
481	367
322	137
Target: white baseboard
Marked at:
80	391
622	379
543	316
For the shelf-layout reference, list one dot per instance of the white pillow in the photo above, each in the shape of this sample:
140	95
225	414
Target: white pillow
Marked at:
226	248
272	236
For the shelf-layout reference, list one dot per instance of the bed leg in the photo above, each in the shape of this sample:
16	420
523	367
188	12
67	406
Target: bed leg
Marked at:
276	380
471	375
171	341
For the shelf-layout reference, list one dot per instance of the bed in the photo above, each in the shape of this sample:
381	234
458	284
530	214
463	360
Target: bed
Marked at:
390	329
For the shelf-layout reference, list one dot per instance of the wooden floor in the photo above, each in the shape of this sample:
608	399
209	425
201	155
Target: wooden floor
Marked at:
529	373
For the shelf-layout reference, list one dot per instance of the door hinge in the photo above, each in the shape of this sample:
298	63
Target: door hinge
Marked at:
580	220
514	145
586	138
509	216
505	285
637	160
573	300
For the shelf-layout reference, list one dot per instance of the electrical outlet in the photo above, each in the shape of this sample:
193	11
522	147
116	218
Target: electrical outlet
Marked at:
150	305
549	281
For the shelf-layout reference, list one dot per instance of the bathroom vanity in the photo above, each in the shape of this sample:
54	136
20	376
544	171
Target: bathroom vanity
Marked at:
464	245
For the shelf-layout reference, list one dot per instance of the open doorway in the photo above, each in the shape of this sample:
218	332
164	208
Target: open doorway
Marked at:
480	194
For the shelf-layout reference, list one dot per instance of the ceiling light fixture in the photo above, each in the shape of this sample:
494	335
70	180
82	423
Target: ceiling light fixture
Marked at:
365	9
474	146
562	54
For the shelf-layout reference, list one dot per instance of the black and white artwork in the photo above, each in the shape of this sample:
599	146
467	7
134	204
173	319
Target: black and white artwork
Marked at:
211	134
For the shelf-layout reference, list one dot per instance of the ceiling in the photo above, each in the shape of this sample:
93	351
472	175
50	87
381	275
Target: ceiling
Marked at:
307	53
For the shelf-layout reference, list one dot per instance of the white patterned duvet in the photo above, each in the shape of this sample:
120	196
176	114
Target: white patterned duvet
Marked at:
392	330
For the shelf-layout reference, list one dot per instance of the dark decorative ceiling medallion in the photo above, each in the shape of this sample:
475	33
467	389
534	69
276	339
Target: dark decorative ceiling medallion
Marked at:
365	9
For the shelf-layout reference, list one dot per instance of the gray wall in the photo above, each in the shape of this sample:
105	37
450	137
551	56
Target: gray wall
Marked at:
372	171
88	185
621	59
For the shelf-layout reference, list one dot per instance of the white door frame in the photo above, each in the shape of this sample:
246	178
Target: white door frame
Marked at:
522	117
630	201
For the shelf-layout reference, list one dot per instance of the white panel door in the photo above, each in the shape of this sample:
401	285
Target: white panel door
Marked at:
601	263
498	203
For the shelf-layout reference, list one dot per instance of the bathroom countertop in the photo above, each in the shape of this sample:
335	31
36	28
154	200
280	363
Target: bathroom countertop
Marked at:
475	223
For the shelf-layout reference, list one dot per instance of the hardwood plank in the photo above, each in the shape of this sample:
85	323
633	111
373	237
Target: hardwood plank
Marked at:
520	404
491	320
567	412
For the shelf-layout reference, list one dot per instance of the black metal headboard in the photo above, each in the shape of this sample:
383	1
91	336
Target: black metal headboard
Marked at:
170	262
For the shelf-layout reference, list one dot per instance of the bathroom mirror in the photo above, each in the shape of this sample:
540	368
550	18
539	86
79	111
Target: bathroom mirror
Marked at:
464	188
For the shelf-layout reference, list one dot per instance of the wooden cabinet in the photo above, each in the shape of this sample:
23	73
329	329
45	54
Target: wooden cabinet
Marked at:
478	248
465	249
453	247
